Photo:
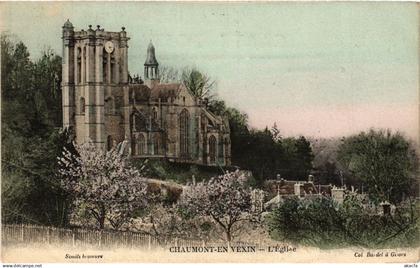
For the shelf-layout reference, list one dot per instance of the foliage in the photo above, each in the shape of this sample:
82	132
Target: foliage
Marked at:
225	199
30	192
385	162
325	163
103	185
298	157
199	84
31	111
321	222
168	222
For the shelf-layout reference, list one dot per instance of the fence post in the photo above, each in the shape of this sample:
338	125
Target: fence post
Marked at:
100	238
48	235
21	232
73	238
150	242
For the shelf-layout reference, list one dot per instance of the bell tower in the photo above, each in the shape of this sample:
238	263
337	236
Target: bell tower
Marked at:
151	67
95	70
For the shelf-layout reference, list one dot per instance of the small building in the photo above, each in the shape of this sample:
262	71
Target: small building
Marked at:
279	189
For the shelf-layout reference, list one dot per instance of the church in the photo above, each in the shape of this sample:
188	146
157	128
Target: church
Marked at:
104	105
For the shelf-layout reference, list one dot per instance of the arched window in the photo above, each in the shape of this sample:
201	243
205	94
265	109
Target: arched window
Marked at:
84	65
82	105
109	143
212	149
138	122
134	150
79	65
141	145
113	64
104	66
184	133
154	113
156	143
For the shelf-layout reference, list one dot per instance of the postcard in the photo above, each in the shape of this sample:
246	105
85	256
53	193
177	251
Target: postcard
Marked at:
204	132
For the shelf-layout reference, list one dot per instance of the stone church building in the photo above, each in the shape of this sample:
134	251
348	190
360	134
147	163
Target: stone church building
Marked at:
101	103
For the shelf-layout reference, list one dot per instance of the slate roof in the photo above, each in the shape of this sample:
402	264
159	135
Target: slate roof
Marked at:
162	91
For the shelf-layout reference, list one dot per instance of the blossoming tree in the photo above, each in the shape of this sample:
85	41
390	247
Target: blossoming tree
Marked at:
104	186
225	199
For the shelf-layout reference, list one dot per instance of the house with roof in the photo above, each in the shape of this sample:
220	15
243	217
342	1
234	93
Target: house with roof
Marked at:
279	189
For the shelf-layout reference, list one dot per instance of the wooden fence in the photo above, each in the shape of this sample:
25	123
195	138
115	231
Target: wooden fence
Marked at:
25	234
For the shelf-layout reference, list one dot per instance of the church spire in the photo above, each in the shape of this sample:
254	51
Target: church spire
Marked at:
151	71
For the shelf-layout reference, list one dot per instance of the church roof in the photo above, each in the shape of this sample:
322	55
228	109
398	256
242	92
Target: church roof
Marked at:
140	92
164	91
151	57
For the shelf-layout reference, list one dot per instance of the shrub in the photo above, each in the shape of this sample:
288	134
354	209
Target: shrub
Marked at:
322	222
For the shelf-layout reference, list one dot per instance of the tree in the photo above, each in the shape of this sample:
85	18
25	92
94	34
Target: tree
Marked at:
31	111
297	158
325	161
275	132
262	155
102	184
303	157
47	80
324	223
199	84
225	199
167	222
169	75
385	162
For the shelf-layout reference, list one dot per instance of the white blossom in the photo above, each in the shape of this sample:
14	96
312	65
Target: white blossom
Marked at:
225	199
103	184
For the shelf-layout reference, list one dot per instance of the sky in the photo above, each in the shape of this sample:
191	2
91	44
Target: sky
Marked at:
316	69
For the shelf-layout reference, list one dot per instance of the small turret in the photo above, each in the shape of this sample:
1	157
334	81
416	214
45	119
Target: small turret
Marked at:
151	66
151	57
68	31
68	25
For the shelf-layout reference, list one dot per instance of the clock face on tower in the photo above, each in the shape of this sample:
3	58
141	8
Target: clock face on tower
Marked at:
109	46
